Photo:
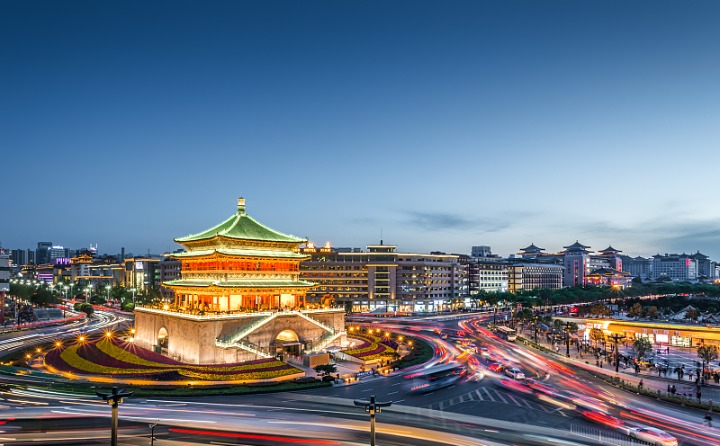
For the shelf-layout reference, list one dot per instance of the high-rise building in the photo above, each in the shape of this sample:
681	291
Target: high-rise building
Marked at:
42	254
18	257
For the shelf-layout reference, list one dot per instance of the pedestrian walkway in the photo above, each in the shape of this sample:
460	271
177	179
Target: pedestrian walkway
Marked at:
650	380
493	396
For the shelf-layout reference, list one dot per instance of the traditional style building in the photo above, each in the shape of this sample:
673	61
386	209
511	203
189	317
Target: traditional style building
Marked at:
239	297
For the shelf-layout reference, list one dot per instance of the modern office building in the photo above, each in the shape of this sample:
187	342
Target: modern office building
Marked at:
141	273
42	254
674	267
484	274
168	269
640	267
382	279
527	276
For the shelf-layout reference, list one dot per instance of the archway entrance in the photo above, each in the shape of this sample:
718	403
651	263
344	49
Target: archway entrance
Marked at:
162	340
287	342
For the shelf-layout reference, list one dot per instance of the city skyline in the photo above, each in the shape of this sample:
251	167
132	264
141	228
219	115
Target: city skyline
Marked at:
434	127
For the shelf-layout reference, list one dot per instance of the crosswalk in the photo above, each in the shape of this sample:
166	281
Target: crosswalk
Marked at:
492	395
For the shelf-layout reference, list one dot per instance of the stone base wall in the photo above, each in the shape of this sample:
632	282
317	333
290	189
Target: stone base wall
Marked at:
192	340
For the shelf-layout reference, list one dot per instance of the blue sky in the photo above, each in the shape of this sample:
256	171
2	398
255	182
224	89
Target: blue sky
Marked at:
442	124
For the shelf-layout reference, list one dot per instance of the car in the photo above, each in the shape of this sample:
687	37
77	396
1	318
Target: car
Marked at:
515	373
496	367
484	351
603	418
477	376
653	436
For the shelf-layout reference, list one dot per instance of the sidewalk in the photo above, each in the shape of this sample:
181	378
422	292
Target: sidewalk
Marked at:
650	382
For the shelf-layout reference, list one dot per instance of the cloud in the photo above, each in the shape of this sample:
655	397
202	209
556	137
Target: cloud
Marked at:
435	221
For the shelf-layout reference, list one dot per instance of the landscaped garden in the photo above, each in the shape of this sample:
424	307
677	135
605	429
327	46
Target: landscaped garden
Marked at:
116	358
371	347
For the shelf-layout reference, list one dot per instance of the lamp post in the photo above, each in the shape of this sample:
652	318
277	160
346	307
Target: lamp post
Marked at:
536	328
372	407
89	290
114	398
107	287
567	339
133	295
152	432
616	337
494	313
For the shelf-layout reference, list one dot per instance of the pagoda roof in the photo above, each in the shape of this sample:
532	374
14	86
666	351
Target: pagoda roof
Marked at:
532	248
241	253
577	246
239	283
610	250
241	226
698	255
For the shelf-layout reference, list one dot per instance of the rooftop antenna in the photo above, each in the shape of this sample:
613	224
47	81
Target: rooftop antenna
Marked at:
381	240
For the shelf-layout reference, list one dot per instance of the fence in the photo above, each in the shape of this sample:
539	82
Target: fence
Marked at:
603	437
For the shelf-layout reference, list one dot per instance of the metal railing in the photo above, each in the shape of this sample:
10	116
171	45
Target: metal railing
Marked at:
327	328
603	437
327	341
246	330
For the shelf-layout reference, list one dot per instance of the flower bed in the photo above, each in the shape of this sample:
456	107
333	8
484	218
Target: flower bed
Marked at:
117	358
373	350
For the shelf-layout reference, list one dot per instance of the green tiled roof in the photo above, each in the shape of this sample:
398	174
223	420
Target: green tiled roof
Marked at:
243	252
242	226
239	283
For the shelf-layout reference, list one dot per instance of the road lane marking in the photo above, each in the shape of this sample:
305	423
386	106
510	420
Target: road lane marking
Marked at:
488	394
500	396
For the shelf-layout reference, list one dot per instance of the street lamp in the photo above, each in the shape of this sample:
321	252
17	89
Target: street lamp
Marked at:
567	339
152	432
536	328
114	398
133	295
494	313
372	408
616	337
89	290
107	287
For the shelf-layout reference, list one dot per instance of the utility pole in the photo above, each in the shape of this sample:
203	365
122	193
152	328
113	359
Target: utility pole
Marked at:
616	337
372	408
567	339
114	398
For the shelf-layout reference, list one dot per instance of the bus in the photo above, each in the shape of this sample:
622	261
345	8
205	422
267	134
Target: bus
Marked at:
437	377
506	333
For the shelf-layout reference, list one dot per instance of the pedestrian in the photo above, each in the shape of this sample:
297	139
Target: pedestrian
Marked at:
690	374
669	388
673	389
640	384
697	395
667	351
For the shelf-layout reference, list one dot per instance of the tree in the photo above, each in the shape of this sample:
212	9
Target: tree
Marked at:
600	310
325	370
652	312
641	346
708	354
691	314
597	335
87	309
636	310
